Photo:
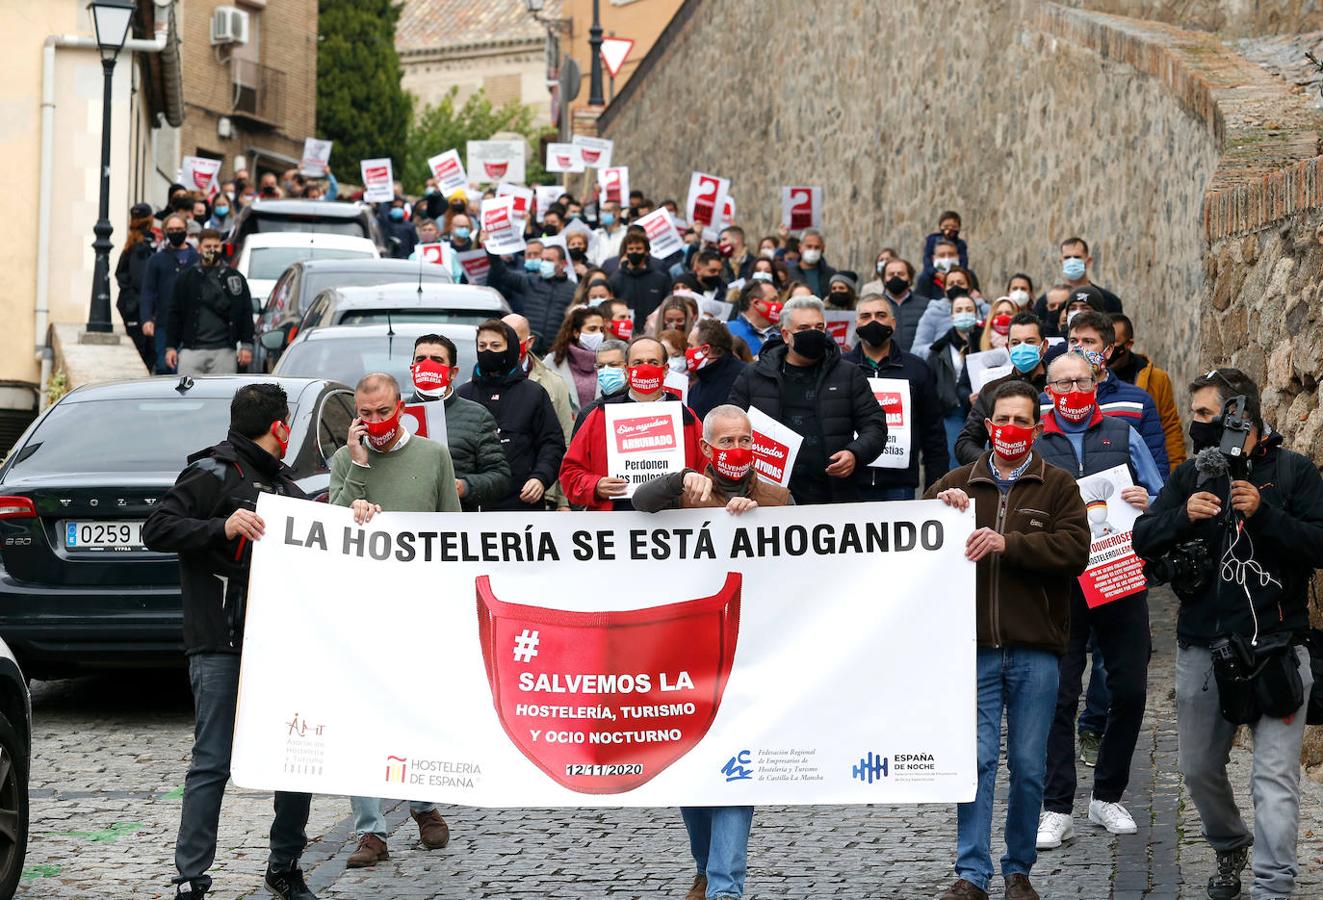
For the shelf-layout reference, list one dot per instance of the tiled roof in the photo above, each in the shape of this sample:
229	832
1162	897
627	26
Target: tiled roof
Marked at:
437	24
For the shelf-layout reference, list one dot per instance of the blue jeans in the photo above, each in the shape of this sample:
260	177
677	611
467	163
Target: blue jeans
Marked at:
1098	698
159	343
369	820
1024	683
719	840
953	424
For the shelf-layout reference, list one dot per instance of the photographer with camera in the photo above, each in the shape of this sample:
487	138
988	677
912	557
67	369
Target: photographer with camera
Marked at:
1238	531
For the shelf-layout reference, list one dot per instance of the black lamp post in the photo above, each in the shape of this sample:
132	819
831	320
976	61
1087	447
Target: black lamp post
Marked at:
112	19
595	97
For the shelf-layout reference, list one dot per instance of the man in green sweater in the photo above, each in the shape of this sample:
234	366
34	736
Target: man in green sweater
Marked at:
383	467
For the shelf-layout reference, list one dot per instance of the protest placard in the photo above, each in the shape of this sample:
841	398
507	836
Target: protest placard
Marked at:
1114	571
316	160
894	396
448	170
643	440
378	182
801	207
775	447
491	162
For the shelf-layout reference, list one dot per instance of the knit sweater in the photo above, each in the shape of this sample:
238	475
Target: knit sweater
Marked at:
417	477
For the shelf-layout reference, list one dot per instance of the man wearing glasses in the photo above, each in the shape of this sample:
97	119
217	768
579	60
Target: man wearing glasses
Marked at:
1077	437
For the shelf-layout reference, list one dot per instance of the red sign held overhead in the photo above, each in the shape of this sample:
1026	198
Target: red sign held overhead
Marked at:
614	53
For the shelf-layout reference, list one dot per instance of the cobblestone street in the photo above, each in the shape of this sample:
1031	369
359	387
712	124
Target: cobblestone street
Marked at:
110	754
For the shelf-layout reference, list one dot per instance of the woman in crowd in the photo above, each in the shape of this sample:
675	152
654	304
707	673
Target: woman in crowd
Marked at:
573	354
946	357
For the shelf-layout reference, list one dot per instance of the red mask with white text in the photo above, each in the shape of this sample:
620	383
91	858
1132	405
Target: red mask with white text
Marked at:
770	310
621	328
379	434
430	377
697	357
1074	406
645	378
1012	442
1001	324
733	463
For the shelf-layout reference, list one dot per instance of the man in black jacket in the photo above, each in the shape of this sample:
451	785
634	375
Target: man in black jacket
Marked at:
637	282
209	323
541	296
1260	527
805	385
531	435
1028	365
879	356
209	519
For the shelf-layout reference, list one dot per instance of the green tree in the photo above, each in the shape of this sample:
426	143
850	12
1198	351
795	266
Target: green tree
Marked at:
360	103
441	127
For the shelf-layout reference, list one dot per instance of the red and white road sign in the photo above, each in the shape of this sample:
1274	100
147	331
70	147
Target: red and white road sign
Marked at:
614	53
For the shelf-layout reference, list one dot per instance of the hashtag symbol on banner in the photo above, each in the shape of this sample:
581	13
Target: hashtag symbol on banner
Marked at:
525	646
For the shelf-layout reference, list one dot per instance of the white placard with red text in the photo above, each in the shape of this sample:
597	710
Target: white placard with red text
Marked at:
643	440
707	199
476	264
613	184
775	447
663	237
894	396
378	182
448	170
427	420
801	207
677	385
523	199
502	230
986	366
316	160
564	158
491	162
596	152
201	174
437	254
1114	571
840	325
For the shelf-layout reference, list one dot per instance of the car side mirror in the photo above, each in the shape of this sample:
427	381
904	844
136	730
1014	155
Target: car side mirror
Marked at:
273	340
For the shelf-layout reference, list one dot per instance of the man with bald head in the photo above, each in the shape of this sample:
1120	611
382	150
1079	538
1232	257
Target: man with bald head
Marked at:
384	467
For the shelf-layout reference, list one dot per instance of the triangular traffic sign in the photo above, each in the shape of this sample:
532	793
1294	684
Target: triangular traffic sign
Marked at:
614	53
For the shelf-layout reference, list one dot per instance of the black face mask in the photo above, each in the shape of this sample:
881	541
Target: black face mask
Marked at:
897	285
875	334
956	291
1205	434
495	363
710	283
812	344
200	218
635	259
176	238
578	255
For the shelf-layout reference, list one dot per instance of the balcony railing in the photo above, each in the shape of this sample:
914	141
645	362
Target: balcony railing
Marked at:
258	91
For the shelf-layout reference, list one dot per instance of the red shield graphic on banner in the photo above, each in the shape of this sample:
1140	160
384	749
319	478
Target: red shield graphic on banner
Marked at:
603	702
496	169
563	160
590	156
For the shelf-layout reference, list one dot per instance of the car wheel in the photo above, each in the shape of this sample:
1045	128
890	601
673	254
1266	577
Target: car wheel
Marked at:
13	807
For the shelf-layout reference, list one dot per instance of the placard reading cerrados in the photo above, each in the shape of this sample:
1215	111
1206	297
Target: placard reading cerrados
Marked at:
612	658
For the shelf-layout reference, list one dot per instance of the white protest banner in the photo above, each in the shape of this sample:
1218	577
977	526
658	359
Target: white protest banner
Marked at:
475	264
316	160
707	198
448	170
801	207
491	162
596	152
775	447
1114	570
523	199
378	183
986	366
677	384
559	240
715	309
201	174
545	195
503	231
436	254
426	420
643	440
893	395
613	183
840	325
663	237
710	682
564	158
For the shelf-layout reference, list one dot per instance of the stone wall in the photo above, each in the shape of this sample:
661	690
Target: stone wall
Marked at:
1238	18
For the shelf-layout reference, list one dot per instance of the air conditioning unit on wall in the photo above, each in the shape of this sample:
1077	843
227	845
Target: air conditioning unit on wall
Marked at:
229	25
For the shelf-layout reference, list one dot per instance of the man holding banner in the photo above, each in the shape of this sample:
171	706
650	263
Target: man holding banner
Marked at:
1031	543
718	835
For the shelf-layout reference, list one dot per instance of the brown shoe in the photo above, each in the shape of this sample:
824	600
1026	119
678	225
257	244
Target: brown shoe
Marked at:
1019	888
433	829
371	850
965	890
699	890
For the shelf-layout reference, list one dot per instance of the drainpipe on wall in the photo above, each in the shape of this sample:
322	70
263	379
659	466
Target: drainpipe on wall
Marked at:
164	28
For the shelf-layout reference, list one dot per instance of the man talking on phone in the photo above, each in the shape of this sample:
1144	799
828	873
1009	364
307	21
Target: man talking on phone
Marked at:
383	467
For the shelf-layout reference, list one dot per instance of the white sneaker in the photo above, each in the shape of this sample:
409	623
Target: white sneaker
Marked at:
1053	829
1112	816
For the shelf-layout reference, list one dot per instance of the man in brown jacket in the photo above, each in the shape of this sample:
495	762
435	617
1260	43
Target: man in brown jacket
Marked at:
719	835
1031	542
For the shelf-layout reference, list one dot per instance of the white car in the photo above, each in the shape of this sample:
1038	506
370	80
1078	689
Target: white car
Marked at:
266	256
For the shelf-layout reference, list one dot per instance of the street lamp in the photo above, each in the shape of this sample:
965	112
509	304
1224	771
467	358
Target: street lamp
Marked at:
112	19
595	97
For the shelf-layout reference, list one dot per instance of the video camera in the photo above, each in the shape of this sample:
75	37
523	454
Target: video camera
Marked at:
1235	435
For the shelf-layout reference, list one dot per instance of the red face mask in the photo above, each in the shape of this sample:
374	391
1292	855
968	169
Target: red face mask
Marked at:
733	463
379	434
1012	442
276	428
770	310
621	328
697	357
430	377
1001	324
646	379
1074	406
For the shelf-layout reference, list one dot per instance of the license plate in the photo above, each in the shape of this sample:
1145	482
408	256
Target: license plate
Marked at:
103	535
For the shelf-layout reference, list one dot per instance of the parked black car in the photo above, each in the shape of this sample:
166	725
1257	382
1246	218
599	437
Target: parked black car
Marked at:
327	217
293	293
15	767
78	590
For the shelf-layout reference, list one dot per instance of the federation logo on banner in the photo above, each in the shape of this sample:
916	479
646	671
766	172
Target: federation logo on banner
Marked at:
396	769
647	433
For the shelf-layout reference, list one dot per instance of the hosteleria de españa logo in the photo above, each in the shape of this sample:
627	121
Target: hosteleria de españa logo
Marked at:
396	766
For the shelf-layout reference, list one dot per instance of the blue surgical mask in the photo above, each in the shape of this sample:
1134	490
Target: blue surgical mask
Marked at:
532	265
396	214
547	269
1073	269
610	380
608	219
222	212
461	232
1025	357
964	321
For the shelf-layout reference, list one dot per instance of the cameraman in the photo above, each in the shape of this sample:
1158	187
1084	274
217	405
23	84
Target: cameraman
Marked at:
1241	542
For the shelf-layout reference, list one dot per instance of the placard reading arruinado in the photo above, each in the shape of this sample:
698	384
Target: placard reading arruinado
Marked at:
795	655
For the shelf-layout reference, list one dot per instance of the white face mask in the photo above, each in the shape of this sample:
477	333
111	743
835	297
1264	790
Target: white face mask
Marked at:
678	364
591	340
768	252
945	264
1020	297
811	256
1070	316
